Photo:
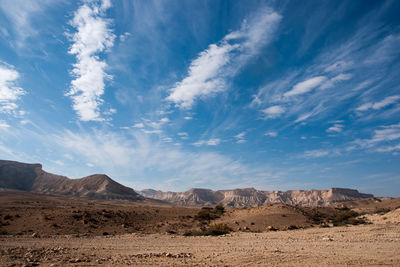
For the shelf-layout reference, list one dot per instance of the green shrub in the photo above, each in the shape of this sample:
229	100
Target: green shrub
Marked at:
218	229
204	215
219	209
208	214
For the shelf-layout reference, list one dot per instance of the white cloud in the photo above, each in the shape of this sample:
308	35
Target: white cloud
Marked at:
271	134
92	37
210	142
208	72
9	91
157	124
152	131
138	125
21	13
317	153
274	111
183	135
389	148
379	105
303	117
240	135
110	111
188	118
339	66
305	86
387	133
240	138
167	139
4	124
205	75
336	128
124	36
339	78
380	139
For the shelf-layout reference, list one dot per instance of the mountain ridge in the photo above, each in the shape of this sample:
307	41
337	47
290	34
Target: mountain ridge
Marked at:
32	178
251	197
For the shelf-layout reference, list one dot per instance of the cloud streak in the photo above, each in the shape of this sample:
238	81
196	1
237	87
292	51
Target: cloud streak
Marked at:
209	72
305	86
210	142
274	111
379	105
92	37
9	91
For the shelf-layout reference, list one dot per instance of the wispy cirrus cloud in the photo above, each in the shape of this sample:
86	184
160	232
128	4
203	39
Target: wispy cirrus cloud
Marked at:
20	13
92	37
316	153
332	78
121	155
387	101
384	139
305	86
209	142
337	127
209	72
4	124
273	111
240	138
9	91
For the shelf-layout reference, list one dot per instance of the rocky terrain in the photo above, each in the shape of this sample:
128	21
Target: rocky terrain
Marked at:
250	197
46	230
32	178
363	245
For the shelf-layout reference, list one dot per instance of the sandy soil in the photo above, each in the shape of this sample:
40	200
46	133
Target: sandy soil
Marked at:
53	231
362	245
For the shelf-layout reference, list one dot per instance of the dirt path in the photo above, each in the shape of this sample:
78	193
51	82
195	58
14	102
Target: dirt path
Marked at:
364	245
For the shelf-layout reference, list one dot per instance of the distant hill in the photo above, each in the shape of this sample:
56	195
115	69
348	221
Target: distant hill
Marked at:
32	178
250	197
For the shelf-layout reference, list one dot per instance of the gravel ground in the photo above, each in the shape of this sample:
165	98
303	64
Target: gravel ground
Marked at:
363	245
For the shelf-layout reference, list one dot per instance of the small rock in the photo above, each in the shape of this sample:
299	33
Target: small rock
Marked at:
327	238
34	235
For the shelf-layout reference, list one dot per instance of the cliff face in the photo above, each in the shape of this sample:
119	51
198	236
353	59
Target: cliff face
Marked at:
32	178
250	197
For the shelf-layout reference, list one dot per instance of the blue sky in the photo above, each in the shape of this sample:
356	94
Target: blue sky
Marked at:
171	95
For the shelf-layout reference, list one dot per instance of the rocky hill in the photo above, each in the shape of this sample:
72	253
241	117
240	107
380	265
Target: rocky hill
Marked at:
250	197
32	178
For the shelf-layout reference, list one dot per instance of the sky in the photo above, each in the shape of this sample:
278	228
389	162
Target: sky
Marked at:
172	95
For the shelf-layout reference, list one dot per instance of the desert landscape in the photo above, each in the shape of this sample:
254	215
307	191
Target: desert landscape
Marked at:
199	133
76	227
